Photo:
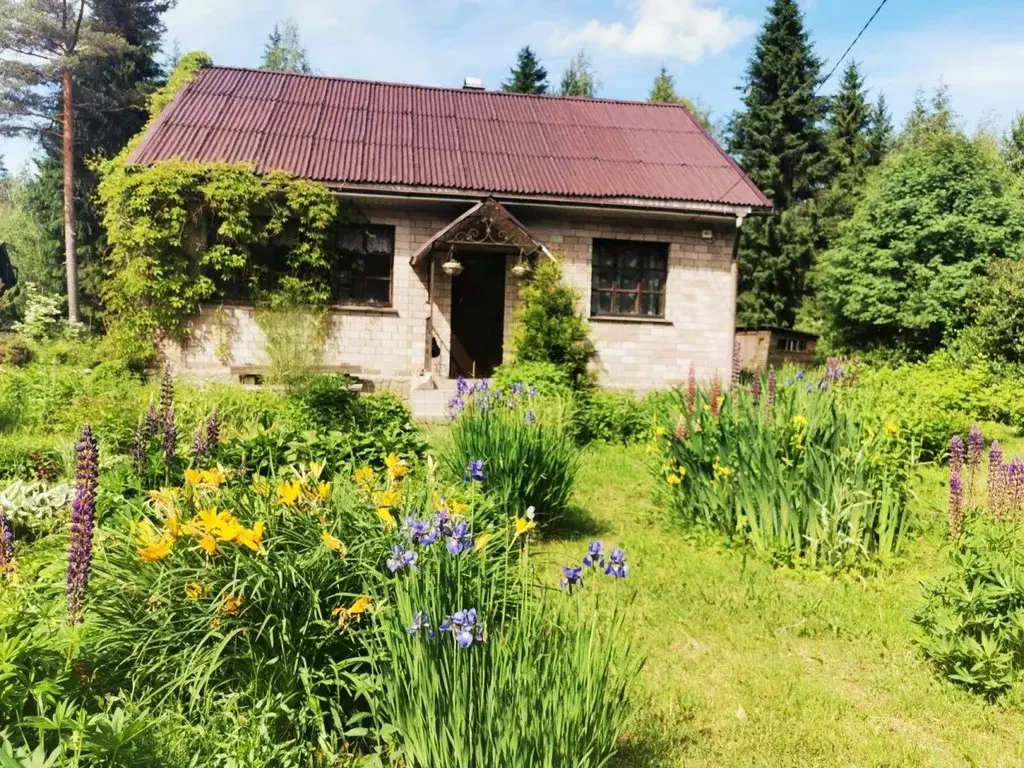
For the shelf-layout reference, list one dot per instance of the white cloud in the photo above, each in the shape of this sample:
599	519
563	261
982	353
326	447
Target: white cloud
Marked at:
686	29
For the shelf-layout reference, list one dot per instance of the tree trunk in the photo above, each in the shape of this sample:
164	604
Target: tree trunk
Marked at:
70	252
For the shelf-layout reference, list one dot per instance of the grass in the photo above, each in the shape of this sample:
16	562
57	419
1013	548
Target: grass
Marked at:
754	666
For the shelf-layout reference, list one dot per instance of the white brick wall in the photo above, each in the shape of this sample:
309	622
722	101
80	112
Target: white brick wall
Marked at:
390	346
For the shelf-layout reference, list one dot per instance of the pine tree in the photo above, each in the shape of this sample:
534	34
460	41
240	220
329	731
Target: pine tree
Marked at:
527	76
43	46
579	78
880	133
111	96
663	91
283	51
780	143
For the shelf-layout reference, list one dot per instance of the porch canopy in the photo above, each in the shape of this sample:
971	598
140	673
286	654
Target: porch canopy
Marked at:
488	224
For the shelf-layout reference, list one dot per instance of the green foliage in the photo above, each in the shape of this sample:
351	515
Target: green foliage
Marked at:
849	122
997	311
803	479
549	327
579	78
551	380
185	71
283	51
612	417
930	218
972	615
527	76
35	508
547	686
663	91
42	316
780	144
295	339
527	448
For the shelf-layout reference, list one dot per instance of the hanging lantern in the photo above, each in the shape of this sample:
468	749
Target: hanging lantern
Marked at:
452	266
521	268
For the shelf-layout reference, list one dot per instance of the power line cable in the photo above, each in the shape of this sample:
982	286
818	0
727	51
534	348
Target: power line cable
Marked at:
850	47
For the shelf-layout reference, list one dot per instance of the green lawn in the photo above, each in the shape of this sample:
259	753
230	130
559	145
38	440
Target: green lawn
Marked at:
753	666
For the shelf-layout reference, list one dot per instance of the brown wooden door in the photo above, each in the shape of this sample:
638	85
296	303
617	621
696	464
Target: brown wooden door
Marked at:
478	314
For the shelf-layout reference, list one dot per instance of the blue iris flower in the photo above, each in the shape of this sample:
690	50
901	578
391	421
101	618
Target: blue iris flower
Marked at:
617	565
517	389
572	578
475	472
464	627
461	538
799	375
401	558
421	623
595	555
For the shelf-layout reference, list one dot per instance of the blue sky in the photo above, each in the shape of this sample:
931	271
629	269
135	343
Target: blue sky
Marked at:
977	51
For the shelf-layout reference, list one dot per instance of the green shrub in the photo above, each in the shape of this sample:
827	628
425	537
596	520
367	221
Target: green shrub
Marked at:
997	311
972	616
530	683
549	327
611	417
803	478
14	350
35	508
530	457
37	457
550	380
324	402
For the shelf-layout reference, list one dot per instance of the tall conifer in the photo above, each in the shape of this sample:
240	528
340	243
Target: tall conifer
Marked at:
527	76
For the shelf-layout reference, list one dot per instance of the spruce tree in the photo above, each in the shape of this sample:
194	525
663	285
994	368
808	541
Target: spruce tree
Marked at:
527	76
779	141
848	126
880	133
663	91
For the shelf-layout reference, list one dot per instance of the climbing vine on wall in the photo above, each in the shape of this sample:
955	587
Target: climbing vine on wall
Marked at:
183	233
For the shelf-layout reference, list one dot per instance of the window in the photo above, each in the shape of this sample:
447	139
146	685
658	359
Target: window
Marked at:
361	273
792	345
629	278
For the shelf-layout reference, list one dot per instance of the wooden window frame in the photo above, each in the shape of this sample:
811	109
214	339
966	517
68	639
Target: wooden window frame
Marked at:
648	248
341	254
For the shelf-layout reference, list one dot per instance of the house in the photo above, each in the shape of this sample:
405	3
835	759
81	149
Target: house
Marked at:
463	189
764	347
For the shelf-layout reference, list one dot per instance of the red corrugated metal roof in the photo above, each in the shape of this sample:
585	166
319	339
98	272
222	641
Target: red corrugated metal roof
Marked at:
354	131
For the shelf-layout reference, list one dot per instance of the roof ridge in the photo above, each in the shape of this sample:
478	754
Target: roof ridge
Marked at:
456	89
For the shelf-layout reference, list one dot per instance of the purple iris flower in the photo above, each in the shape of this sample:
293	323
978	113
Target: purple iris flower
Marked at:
617	565
531	417
572	578
421	623
799	375
595	555
517	389
461	538
464	627
461	386
401	558
422	532
533	392
475	472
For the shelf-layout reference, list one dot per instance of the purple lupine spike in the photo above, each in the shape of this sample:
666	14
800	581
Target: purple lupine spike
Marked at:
956	453
170	443
735	364
997	478
199	443
152	420
83	520
166	393
6	543
956	505
139	448
975	448
212	431
755	389
1014	487
772	386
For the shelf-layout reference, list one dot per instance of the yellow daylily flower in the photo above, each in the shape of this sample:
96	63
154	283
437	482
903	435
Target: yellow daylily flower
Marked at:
681	471
288	493
322	492
346	616
892	428
386	517
457	507
173	525
158	550
316	469
193	477
386	498
721	471
195	590
261	486
481	541
165	498
251	538
396	466
208	544
674	479
523	526
215	477
365	478
333	542
799	421
230	605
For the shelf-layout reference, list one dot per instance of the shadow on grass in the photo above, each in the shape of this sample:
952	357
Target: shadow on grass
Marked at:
576	523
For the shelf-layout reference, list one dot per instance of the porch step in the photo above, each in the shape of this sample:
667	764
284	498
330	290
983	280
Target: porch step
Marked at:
430	404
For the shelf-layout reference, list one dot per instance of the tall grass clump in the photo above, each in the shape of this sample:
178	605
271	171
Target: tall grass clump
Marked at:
792	469
487	671
521	447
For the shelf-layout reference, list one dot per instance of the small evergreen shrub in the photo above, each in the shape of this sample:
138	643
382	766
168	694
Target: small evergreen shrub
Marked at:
549	327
